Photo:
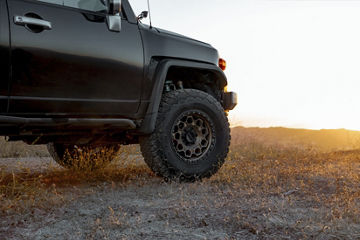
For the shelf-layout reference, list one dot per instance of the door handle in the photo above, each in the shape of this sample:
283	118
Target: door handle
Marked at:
22	21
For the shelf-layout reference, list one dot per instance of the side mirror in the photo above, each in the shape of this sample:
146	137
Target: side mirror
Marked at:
143	15
113	15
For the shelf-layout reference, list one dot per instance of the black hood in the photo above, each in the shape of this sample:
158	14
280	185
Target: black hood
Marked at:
163	31
163	43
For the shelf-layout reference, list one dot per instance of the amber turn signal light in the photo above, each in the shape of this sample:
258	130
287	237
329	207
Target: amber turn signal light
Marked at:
222	64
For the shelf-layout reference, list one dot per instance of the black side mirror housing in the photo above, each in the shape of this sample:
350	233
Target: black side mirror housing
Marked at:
113	15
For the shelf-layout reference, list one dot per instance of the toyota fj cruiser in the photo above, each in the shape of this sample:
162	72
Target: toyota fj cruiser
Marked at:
87	74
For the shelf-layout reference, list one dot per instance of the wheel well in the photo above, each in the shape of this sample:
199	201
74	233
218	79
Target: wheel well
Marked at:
174	74
203	80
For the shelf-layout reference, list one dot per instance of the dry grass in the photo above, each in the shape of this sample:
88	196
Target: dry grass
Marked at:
301	193
29	188
266	190
20	149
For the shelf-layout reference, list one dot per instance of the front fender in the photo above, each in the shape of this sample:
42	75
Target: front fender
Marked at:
162	69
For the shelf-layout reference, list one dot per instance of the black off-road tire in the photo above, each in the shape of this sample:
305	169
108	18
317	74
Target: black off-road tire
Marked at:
162	149
82	158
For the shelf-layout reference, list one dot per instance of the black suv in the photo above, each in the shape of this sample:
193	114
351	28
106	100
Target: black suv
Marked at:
88	75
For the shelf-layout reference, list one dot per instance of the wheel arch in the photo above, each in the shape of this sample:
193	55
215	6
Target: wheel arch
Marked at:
163	71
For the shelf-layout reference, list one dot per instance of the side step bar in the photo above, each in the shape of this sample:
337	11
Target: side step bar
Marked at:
76	122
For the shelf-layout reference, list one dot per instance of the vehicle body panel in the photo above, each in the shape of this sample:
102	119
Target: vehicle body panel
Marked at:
4	57
78	68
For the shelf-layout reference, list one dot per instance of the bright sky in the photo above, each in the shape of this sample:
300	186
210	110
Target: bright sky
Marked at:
293	63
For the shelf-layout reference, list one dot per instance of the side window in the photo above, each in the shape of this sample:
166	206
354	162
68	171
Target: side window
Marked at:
89	5
58	2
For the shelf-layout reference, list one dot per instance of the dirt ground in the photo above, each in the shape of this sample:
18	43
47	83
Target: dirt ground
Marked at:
264	191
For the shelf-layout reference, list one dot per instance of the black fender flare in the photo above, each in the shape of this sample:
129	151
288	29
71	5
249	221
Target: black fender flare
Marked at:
148	124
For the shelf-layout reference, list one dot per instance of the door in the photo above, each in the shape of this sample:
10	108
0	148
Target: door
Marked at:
4	57
73	65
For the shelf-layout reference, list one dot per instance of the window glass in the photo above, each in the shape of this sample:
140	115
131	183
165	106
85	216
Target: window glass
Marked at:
58	2
89	5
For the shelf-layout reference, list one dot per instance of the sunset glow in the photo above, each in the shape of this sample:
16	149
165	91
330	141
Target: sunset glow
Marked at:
293	63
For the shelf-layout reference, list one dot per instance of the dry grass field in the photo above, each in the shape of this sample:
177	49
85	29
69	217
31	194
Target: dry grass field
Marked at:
276	184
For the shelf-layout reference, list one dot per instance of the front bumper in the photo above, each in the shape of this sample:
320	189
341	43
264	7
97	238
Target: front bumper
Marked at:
230	100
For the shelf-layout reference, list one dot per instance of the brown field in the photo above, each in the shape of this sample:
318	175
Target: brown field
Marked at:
276	184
